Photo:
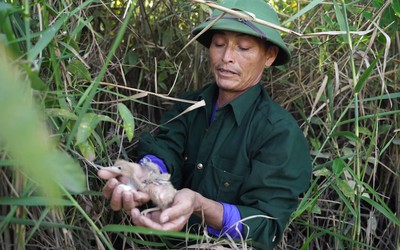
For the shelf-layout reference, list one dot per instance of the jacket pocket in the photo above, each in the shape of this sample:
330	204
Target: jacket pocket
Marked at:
228	184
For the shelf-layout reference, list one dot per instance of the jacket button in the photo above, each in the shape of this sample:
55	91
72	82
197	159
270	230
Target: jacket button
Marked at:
226	184
200	166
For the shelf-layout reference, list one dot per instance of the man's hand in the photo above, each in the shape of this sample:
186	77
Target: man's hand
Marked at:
173	218
120	194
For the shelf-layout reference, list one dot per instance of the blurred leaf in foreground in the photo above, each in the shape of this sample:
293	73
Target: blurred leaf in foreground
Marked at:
129	122
396	7
25	139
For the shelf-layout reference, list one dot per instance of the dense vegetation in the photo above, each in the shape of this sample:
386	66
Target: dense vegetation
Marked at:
80	80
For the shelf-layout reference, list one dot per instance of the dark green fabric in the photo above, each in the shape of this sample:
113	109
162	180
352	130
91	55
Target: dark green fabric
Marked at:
254	156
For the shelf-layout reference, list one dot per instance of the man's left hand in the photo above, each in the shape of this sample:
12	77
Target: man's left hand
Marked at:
173	218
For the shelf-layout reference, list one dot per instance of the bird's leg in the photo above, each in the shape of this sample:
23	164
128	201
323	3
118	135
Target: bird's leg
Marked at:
149	210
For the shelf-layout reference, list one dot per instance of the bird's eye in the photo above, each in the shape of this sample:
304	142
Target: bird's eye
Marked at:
119	168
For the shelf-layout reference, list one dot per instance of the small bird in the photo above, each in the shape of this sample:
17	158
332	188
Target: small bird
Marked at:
127	170
155	184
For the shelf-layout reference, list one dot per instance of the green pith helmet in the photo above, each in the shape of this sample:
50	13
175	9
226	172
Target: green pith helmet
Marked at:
257	8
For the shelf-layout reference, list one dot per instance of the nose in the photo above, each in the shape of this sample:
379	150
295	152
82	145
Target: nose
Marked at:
228	54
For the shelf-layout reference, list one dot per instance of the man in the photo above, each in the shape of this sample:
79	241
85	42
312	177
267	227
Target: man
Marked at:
239	163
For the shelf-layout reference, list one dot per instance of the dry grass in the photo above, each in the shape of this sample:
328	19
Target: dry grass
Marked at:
353	130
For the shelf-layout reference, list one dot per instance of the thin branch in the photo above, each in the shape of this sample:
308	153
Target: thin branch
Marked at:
277	27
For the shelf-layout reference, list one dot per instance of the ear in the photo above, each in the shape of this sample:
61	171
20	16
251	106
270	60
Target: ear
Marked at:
271	54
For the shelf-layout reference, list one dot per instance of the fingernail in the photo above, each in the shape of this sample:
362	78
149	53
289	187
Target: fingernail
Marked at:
164	218
134	212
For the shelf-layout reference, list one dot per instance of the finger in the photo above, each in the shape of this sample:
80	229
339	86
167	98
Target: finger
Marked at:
104	174
175	225
108	189
135	213
132	198
116	198
140	220
141	197
174	212
127	201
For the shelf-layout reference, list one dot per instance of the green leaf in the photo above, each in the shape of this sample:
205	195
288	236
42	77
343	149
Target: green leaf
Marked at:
316	209
149	231
131	58
384	129
304	10
88	124
87	150
162	86
347	190
6	7
61	113
338	166
390	215
316	144
79	70
340	19
67	172
349	135
363	78
3	39
344	200
206	9
34	201
36	82
167	37
316	121
129	122
8	24
396	7
6	163
379	204
365	131
105	118
393	95
322	172
46	38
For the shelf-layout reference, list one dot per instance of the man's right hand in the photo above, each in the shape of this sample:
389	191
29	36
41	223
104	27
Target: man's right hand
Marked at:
119	194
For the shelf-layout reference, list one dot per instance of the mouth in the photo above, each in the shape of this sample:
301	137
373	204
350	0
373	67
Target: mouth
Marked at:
224	71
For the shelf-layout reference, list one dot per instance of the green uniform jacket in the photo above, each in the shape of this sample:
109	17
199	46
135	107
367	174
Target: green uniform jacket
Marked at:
253	155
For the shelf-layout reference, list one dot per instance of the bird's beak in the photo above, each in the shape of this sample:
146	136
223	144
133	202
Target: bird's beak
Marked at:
114	169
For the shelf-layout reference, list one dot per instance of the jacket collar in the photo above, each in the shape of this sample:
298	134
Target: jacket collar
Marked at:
240	105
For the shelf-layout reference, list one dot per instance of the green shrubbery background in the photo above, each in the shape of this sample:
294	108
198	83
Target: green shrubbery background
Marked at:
80	80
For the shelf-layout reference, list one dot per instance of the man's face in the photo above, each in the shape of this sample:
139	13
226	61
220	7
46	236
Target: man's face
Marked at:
238	60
